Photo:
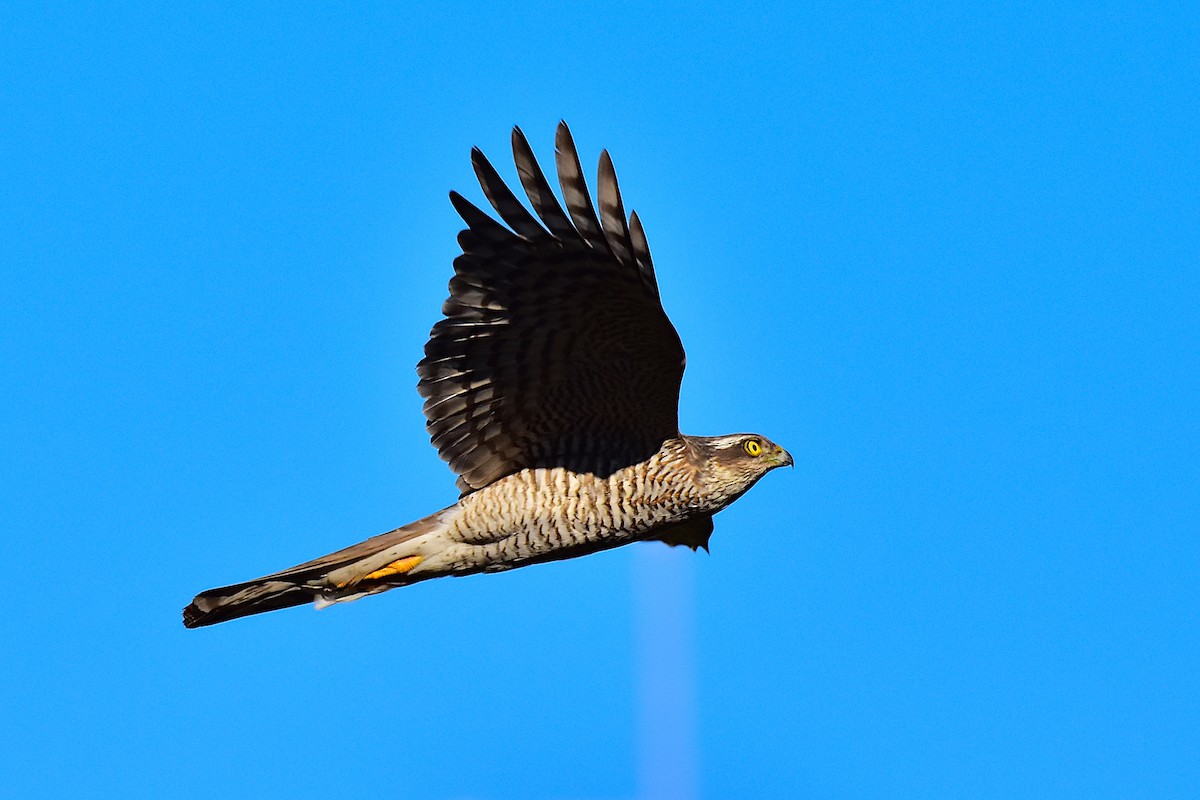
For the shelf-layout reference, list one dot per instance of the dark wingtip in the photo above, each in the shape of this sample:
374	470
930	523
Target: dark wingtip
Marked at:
458	201
562	137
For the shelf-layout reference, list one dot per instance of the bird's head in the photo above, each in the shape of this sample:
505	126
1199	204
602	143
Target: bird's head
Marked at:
730	465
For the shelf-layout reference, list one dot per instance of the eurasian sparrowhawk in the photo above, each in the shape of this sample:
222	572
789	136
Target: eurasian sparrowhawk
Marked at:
551	387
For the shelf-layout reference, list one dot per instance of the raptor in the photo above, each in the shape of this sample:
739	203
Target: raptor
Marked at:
551	388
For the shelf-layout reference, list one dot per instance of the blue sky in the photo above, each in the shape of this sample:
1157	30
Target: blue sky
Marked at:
948	257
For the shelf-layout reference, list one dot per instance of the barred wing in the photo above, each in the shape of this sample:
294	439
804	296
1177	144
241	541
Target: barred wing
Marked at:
555	349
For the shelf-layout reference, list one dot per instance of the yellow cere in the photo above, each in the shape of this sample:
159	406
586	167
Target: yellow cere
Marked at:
753	447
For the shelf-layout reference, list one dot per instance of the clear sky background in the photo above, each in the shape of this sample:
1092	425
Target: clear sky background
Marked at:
949	258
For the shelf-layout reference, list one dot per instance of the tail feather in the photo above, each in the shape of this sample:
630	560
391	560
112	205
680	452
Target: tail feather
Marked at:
345	575
244	599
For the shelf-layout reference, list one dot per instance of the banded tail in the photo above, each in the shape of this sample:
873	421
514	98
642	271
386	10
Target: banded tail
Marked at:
380	563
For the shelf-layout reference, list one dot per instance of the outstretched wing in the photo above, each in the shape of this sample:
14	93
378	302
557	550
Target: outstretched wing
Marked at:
555	349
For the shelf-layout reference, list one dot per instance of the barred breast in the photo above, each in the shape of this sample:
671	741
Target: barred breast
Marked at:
536	513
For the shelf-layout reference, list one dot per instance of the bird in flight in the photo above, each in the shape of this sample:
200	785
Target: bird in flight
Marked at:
551	387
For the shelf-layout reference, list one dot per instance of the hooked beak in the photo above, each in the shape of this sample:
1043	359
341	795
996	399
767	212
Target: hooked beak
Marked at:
783	458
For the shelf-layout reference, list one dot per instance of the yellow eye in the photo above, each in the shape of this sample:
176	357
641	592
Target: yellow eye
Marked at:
752	447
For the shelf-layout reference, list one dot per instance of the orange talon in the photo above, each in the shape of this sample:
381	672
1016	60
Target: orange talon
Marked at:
394	568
